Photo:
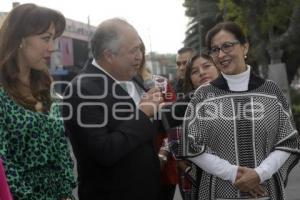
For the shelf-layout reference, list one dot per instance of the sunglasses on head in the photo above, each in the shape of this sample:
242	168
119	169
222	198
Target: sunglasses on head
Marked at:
179	63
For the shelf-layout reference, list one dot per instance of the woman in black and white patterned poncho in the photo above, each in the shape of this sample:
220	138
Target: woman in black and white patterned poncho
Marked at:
239	129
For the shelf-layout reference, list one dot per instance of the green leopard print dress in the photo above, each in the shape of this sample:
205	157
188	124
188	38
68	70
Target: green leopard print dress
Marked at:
34	151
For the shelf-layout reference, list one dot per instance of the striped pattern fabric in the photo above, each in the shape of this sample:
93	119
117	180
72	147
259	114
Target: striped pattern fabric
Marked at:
243	128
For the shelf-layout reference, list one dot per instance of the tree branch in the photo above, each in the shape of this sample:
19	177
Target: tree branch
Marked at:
292	33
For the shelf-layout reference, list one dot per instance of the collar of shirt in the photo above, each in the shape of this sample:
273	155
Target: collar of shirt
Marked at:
99	67
127	85
238	82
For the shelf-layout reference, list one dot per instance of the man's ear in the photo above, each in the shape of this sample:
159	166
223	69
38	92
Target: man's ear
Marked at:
108	55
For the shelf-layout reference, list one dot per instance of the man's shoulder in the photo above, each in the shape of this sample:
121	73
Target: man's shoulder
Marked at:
90	75
90	84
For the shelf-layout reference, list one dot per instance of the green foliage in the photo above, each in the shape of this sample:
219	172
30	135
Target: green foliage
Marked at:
234	13
277	14
295	98
296	109
190	6
188	3
265	23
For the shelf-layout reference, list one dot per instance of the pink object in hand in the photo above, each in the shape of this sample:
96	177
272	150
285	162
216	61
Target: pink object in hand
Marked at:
4	188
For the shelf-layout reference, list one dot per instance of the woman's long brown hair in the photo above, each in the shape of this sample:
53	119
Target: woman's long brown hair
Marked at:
23	21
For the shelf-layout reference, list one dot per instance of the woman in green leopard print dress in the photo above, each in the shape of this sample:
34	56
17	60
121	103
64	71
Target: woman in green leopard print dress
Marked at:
33	146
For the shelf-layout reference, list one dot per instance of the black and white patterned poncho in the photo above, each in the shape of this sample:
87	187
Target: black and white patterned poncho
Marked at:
243	128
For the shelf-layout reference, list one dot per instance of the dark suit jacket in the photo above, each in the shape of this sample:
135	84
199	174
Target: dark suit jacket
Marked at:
114	144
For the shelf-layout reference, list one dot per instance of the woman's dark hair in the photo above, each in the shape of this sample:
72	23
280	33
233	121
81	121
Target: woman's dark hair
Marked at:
187	82
228	26
23	21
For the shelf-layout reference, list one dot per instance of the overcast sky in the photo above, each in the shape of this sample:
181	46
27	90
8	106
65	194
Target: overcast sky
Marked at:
161	23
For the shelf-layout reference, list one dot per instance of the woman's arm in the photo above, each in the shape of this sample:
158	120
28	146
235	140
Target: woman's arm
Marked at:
271	164
216	166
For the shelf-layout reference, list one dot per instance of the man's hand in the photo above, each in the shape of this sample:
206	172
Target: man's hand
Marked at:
163	158
150	102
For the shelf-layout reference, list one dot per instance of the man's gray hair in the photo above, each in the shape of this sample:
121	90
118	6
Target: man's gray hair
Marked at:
107	37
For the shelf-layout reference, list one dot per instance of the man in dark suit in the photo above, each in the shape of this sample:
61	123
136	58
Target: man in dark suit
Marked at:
111	136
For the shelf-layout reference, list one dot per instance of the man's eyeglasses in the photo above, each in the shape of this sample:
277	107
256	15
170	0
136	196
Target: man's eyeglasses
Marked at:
179	63
226	47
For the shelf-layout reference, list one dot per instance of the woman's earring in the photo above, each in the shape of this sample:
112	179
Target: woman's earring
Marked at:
245	56
20	46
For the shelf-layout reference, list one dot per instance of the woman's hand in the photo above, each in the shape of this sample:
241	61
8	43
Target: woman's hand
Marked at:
248	180
258	191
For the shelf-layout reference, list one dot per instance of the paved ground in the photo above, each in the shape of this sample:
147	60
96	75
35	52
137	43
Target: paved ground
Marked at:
293	187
